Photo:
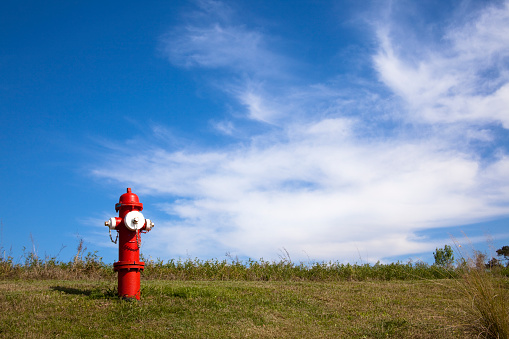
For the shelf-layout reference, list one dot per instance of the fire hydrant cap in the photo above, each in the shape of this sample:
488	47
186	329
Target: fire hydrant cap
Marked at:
129	199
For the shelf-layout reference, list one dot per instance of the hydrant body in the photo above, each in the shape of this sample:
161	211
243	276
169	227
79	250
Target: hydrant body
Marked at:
130	223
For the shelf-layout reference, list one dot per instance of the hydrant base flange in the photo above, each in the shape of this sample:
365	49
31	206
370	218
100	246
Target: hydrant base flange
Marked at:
128	265
129	278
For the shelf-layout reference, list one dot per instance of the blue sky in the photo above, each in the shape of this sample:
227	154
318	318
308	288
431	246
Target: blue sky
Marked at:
334	130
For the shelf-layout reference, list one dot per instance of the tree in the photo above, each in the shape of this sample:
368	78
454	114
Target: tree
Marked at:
494	262
444	256
504	251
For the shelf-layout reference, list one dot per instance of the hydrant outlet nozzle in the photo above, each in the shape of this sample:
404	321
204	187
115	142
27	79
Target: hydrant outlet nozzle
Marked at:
112	223
148	224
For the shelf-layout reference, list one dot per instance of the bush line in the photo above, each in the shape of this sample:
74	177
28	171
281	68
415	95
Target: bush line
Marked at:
91	266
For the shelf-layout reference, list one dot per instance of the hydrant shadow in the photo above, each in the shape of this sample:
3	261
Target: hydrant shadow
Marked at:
94	293
71	290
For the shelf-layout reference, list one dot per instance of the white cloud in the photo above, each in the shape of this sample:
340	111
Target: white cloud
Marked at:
486	38
225	127
215	46
320	195
466	79
257	108
212	39
319	186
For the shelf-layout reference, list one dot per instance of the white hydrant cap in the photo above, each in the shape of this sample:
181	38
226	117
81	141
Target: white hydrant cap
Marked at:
134	220
148	224
111	224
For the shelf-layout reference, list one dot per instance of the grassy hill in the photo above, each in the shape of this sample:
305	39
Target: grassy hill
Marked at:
231	309
255	299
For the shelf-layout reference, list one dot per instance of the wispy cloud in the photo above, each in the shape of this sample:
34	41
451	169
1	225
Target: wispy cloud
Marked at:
334	178
321	192
463	79
212	39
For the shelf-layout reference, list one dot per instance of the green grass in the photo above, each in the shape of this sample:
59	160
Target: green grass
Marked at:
230	309
194	298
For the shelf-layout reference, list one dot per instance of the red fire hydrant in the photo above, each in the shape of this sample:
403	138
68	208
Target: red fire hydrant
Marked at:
129	224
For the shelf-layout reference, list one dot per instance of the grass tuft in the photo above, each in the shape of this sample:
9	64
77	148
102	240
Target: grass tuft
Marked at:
485	299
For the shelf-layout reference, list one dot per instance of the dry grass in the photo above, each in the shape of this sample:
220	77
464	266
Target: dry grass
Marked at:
485	300
231	309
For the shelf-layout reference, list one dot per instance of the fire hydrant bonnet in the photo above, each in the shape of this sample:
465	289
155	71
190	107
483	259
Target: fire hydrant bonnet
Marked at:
130	201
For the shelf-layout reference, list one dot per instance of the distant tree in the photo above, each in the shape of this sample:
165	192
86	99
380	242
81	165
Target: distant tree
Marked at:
444	256
504	251
494	262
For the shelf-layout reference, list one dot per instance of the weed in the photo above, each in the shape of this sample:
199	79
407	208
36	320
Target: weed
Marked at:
91	265
485	299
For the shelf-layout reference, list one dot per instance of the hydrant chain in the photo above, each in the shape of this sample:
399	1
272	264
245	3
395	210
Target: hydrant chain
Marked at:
138	239
113	241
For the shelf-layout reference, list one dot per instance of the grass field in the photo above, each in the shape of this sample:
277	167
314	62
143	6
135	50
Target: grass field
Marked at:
46	298
232	309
